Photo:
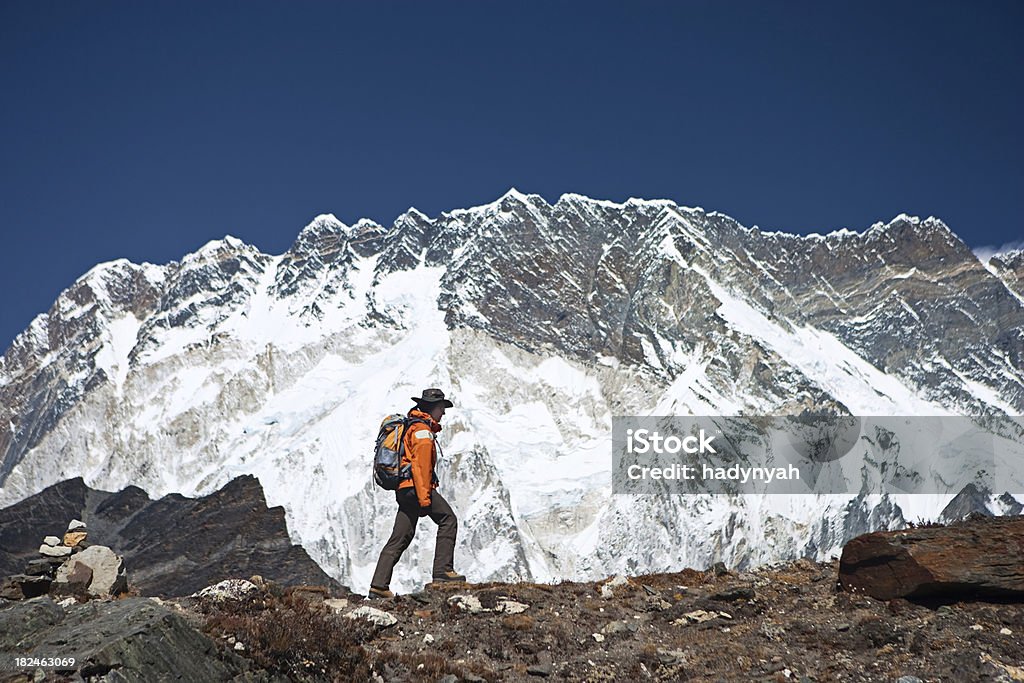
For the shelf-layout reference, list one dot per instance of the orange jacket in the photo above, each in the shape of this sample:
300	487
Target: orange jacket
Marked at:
421	453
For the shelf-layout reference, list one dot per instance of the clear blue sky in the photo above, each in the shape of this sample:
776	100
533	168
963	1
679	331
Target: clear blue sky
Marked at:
144	129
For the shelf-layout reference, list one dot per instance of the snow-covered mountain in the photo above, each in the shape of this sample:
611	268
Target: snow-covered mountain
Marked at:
541	322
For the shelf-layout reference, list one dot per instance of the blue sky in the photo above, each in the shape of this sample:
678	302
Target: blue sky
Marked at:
144	129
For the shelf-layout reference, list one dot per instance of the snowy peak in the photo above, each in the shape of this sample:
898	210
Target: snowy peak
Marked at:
325	222
1008	266
325	227
216	250
545	321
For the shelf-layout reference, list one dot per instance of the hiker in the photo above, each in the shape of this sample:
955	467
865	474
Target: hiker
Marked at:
418	497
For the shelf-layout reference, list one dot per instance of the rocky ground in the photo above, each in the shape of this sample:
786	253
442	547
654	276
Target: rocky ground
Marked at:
783	623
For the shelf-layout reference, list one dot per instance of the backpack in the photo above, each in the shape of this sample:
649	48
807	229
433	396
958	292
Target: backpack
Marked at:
388	471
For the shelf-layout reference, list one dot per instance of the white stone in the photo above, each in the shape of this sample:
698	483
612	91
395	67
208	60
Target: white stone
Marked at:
54	551
373	615
239	646
699	616
510	606
67	602
1005	632
608	588
108	573
76	524
469	603
977	627
597	637
336	605
428	639
51	541
228	589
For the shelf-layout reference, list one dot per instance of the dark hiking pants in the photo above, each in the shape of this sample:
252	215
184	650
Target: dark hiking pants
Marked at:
405	528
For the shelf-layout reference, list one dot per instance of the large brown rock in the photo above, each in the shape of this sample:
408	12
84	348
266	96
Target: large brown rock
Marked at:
74	573
981	558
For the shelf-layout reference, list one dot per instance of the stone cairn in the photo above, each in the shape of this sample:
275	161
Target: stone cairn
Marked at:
69	566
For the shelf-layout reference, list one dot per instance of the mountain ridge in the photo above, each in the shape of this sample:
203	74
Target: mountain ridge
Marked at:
545	320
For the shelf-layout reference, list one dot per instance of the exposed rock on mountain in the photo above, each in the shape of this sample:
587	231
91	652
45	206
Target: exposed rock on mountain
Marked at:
1009	266
171	546
135	639
982	557
543	321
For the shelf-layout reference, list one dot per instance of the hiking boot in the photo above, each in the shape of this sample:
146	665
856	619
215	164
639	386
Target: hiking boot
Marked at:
379	593
449	576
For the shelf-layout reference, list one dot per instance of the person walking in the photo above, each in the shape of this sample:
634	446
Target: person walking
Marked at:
418	497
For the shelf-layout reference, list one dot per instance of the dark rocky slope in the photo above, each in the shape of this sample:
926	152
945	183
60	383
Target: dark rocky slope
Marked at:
171	546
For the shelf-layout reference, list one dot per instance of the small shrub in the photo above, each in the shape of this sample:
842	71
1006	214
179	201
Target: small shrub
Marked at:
518	622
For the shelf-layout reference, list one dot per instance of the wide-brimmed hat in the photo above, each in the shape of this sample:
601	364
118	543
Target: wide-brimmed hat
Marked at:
432	396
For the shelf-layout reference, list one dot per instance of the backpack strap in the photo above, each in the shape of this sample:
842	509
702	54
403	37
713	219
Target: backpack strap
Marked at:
410	421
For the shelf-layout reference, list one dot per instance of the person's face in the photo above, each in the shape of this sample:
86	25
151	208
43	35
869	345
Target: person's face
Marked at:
437	412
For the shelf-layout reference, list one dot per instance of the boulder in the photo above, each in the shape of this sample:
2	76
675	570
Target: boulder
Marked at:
106	570
76	525
24	586
975	559
74	573
133	639
51	541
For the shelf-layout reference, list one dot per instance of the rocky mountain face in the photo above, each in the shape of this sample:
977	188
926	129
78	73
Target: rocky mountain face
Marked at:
1009	267
174	545
542	322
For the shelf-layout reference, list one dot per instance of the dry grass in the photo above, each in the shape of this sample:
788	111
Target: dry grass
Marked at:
289	635
518	622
